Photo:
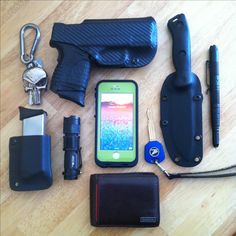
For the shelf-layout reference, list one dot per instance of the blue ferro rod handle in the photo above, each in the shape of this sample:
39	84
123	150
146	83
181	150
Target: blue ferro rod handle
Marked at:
215	94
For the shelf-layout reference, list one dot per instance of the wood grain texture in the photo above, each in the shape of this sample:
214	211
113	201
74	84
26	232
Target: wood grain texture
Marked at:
188	207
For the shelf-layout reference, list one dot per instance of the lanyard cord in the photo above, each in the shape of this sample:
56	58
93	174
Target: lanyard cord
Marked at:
218	173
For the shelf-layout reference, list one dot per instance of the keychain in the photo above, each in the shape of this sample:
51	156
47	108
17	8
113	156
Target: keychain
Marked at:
154	154
34	77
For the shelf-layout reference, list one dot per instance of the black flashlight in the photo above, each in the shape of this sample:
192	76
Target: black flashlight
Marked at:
72	157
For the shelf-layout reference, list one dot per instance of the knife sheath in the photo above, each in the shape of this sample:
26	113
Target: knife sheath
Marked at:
181	101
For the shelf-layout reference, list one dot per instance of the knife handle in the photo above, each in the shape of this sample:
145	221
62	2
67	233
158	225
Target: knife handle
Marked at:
181	51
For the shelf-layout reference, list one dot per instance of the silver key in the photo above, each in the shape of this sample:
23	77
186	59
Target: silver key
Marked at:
151	126
35	80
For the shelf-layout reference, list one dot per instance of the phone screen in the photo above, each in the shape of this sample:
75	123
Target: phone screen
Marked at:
116	121
116	134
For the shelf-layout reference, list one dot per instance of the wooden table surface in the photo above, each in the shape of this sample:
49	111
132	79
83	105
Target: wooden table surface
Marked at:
188	207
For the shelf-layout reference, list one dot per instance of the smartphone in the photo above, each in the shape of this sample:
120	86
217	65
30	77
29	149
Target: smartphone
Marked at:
116	132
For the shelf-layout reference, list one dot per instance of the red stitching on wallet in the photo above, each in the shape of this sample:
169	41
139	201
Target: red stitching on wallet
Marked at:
97	213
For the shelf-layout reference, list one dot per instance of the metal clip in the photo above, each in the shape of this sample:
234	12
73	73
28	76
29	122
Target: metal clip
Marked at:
207	76
27	58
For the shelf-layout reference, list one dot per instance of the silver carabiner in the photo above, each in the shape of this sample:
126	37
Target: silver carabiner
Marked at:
27	58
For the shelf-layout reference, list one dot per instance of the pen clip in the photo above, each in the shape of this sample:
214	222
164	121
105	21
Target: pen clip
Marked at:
207	76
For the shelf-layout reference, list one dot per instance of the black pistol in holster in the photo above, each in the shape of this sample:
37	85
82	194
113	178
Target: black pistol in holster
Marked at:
120	43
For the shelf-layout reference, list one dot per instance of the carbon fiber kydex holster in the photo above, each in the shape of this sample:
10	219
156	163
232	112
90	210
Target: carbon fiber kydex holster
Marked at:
122	43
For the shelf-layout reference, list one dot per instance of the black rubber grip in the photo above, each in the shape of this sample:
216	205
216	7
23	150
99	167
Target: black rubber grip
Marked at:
71	75
181	51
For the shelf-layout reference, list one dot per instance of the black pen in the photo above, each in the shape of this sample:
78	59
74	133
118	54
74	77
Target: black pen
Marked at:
214	88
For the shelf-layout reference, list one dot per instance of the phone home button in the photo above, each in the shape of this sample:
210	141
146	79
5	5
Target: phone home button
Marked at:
116	155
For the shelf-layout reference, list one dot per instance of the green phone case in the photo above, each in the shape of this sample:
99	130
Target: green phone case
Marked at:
127	159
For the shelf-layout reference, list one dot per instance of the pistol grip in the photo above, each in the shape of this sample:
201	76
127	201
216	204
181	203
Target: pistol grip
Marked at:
71	75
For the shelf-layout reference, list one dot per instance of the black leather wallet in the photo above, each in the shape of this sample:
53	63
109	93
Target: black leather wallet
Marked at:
127	199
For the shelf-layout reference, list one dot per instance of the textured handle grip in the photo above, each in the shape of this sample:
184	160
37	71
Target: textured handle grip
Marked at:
214	75
71	76
215	94
181	51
